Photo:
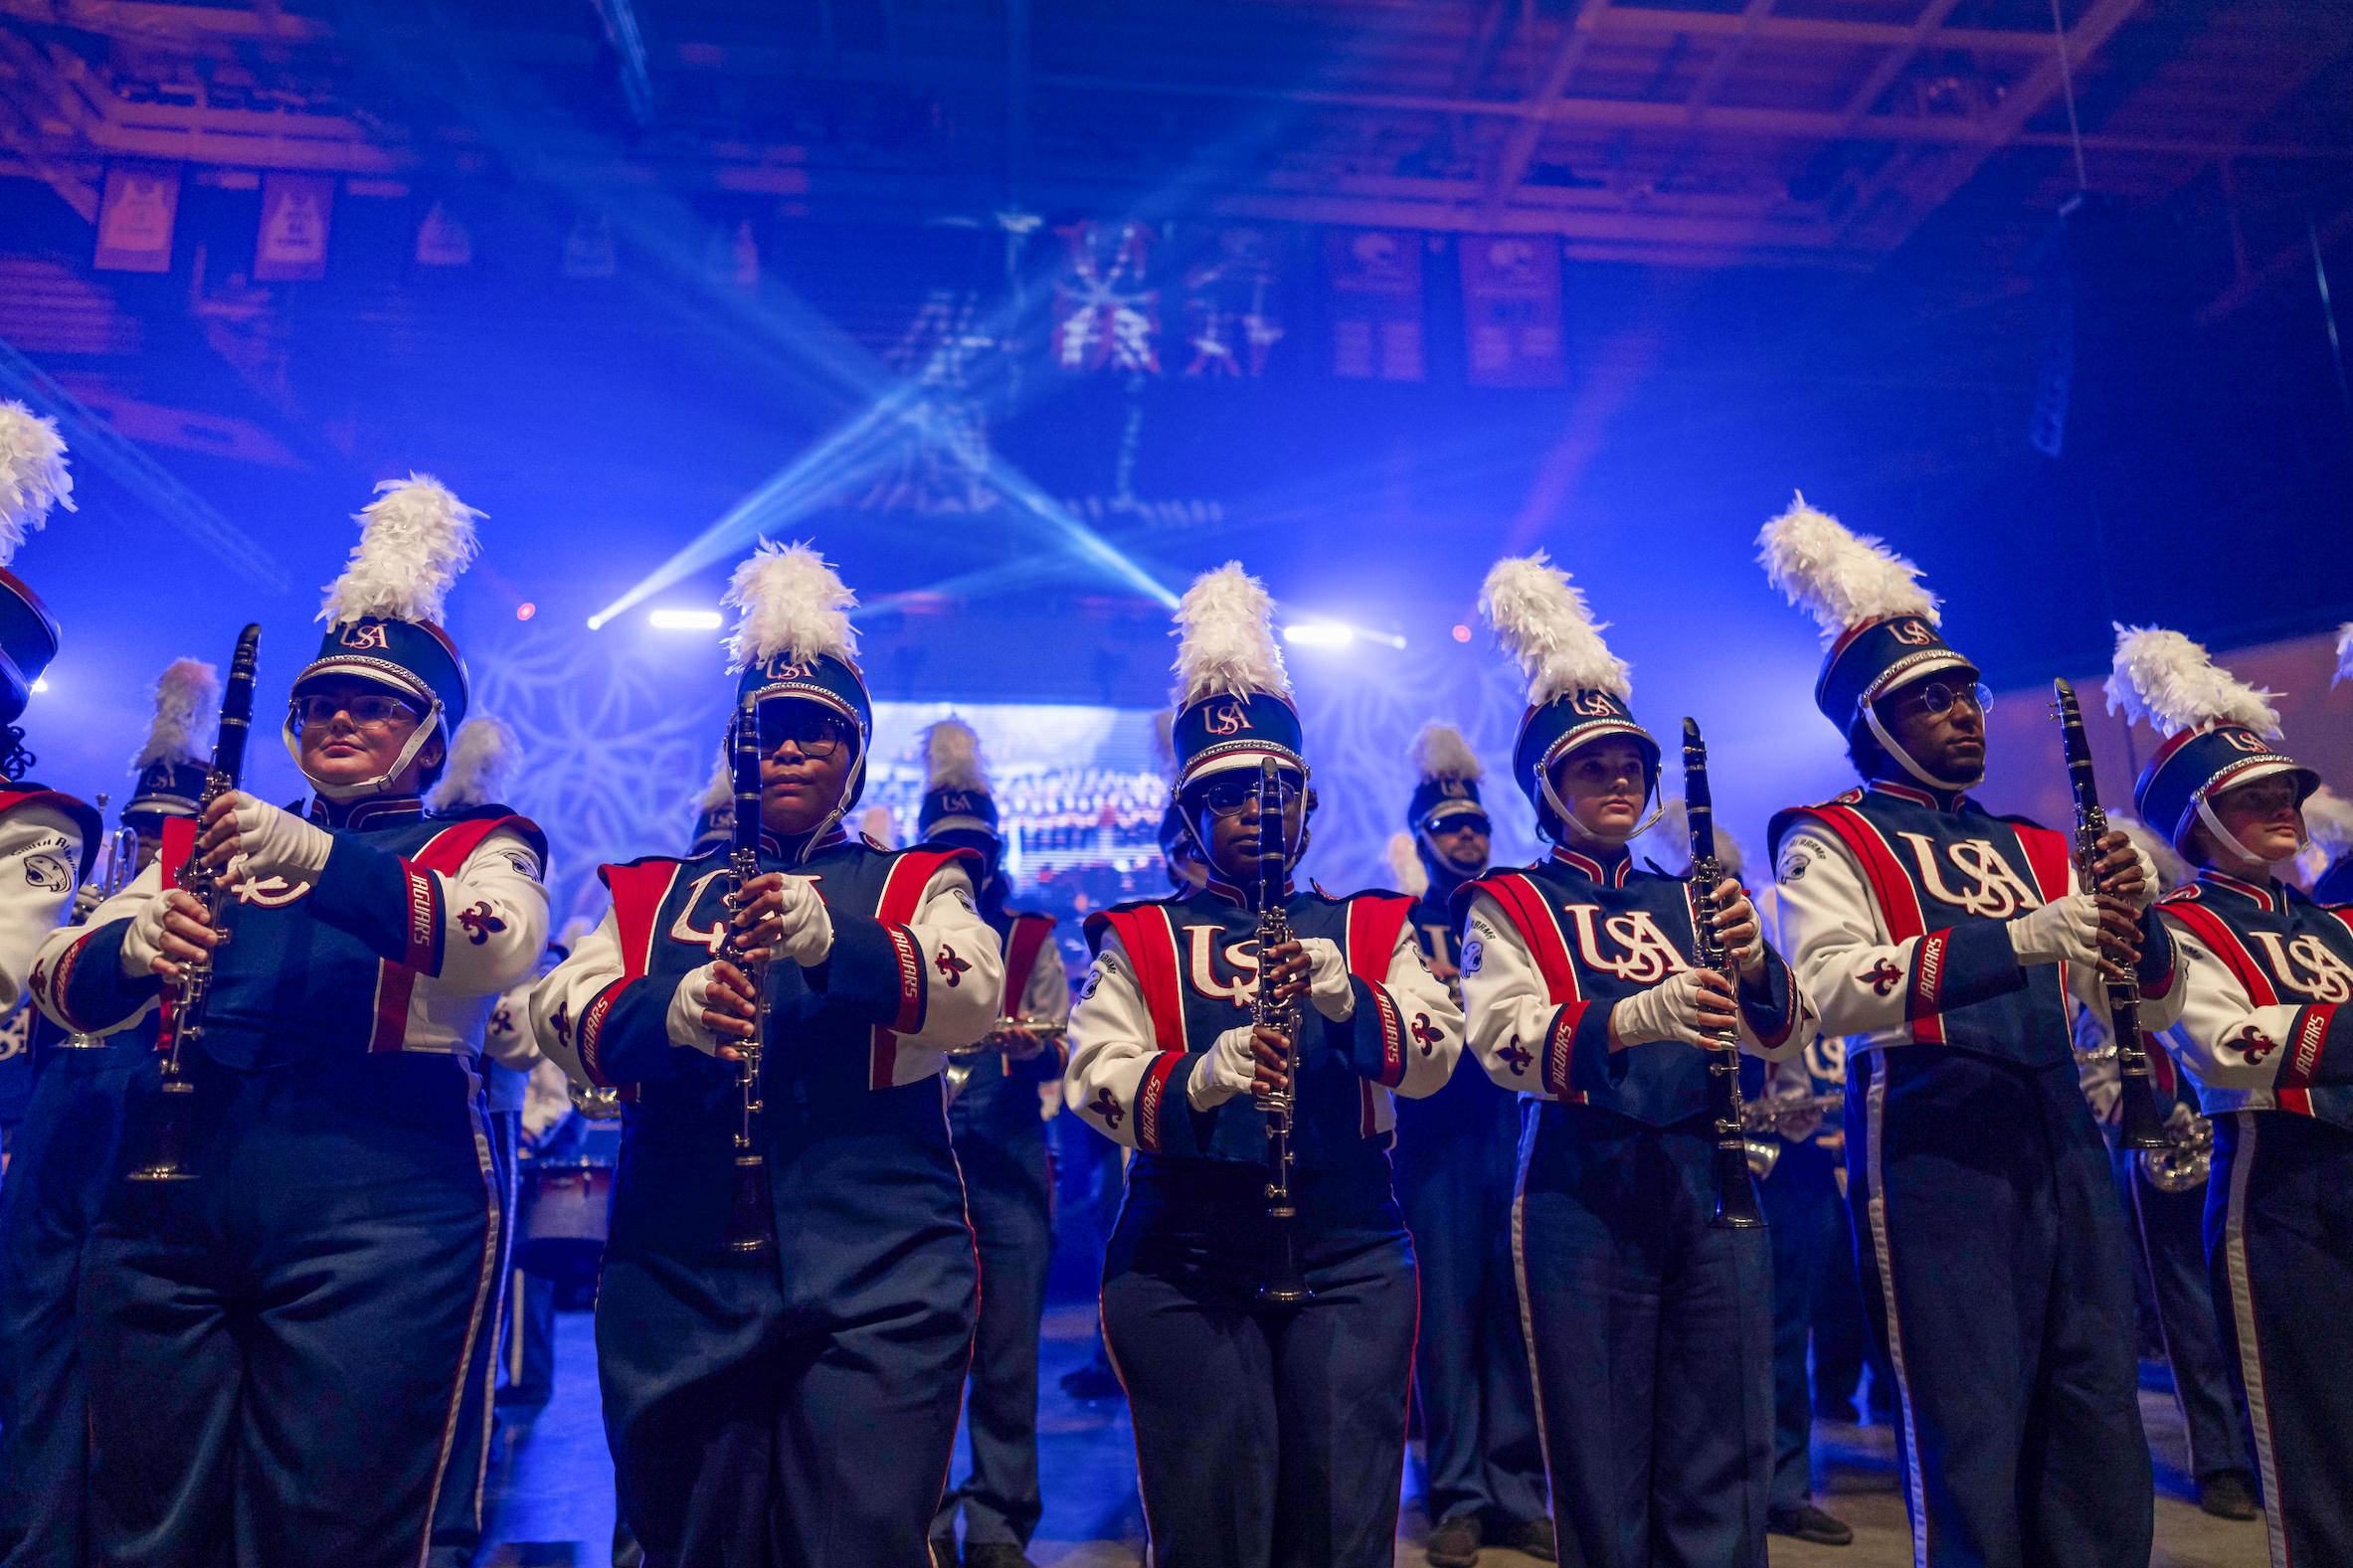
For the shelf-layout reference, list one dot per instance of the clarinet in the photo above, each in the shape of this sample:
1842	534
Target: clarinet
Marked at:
1735	1194
1285	1284
751	1215
2143	1126
187	994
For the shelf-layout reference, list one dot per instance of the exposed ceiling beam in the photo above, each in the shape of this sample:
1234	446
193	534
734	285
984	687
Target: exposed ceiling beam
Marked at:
2285	263
1728	55
620	20
1898	58
1511	166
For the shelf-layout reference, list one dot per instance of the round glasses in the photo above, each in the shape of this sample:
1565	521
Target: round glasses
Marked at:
371	711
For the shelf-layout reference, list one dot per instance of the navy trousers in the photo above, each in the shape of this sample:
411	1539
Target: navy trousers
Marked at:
1807	1225
1008	1187
1995	1266
1457	1154
457	1515
60	1159
2169	1230
2279	1243
1265	1437
277	1351
1653	1335
797	1410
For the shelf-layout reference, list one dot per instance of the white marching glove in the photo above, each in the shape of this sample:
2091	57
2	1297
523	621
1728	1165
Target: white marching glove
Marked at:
1328	985
807	938
688	1003
275	843
144	941
1669	1011
2150	888
2064	931
1227	1069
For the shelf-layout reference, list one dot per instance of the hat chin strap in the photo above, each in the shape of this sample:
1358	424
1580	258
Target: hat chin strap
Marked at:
1552	799
1904	759
2222	835
850	789
344	793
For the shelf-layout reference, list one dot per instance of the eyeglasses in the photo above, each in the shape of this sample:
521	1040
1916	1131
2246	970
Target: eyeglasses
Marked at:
815	736
1232	796
1459	822
370	711
1938	698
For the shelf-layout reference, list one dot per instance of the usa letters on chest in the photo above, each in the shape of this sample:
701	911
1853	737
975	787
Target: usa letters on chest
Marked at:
2305	965
1630	944
1219	968
1970	875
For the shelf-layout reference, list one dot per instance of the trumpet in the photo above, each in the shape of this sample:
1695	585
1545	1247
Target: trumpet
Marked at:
1760	1117
117	861
2186	1158
965	1060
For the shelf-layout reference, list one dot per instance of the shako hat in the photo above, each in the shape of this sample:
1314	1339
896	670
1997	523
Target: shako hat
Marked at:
2218	731
792	640
172	765
33	480
1232	694
1446	774
956	793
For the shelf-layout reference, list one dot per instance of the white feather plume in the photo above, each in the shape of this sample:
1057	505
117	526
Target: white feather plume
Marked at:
2165	679
32	476
2344	654
952	757
187	712
1670	839
792	604
1226	638
1843	578
483	757
2172	870
414	540
1408	873
2328	821
1440	752
1541	620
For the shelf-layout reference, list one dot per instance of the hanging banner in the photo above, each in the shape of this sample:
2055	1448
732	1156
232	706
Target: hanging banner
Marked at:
1106	314
1512	310
443	238
1377	325
292	247
1231	320
135	215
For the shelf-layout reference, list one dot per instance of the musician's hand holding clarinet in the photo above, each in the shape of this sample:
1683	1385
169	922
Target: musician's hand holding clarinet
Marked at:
781	916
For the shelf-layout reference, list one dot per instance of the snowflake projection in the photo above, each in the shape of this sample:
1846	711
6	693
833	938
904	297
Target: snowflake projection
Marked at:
613	760
1358	733
1229	323
1105	316
941	451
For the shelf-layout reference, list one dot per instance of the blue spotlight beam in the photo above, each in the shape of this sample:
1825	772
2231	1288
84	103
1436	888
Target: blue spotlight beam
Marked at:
97	441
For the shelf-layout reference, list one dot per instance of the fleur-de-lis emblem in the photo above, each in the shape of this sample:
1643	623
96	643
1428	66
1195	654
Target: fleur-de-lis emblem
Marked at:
502	1019
561	1023
481	924
2254	1044
1885	978
1516	1057
950	965
1426	1034
1108	1108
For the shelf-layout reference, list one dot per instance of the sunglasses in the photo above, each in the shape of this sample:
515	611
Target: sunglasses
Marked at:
1459	822
373	711
815	736
1938	698
1232	796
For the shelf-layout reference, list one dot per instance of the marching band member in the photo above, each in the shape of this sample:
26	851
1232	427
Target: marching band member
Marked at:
1934	936
1265	1434
792	1404
276	1349
1008	1179
1456	1154
1649	1328
2260	1022
48	844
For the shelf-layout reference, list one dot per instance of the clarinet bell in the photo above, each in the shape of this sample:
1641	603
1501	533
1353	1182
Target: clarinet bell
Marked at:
751	1216
163	1135
1735	1193
2140	1123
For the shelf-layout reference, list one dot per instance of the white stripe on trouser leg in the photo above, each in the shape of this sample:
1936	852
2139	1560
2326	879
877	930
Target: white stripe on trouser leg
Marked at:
1530	1120
2251	1360
1914	1481
485	1285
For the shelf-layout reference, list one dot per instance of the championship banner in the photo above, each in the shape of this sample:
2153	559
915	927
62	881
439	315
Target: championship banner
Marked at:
1377	322
292	247
1232	317
1512	310
135	217
1106	314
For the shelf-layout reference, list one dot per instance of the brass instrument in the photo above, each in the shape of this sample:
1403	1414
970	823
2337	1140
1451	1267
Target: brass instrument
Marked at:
165	1131
1735	1194
1285	1284
1766	1116
2185	1162
597	1104
117	862
964	1060
751	1214
2136	1101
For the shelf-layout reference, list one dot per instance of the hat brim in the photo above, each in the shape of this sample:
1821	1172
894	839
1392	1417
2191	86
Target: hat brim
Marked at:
1235	756
1914	669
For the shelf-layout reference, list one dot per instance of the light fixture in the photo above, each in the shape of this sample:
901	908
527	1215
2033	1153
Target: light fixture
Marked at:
41	683
682	620
1320	634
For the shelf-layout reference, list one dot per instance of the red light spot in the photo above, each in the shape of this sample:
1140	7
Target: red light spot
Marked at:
1462	633
525	610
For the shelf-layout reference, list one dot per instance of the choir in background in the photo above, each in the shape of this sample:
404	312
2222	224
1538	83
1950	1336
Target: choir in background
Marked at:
259	1214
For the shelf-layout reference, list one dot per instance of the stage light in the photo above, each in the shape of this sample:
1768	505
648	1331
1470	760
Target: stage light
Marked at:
1462	633
1320	634
41	683
684	621
525	610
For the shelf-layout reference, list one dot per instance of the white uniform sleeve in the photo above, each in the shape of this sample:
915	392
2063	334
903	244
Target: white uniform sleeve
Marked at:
39	865
1111	1046
1838	949
1505	999
508	1038
496	917
962	963
1433	1024
563	995
2229	1043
